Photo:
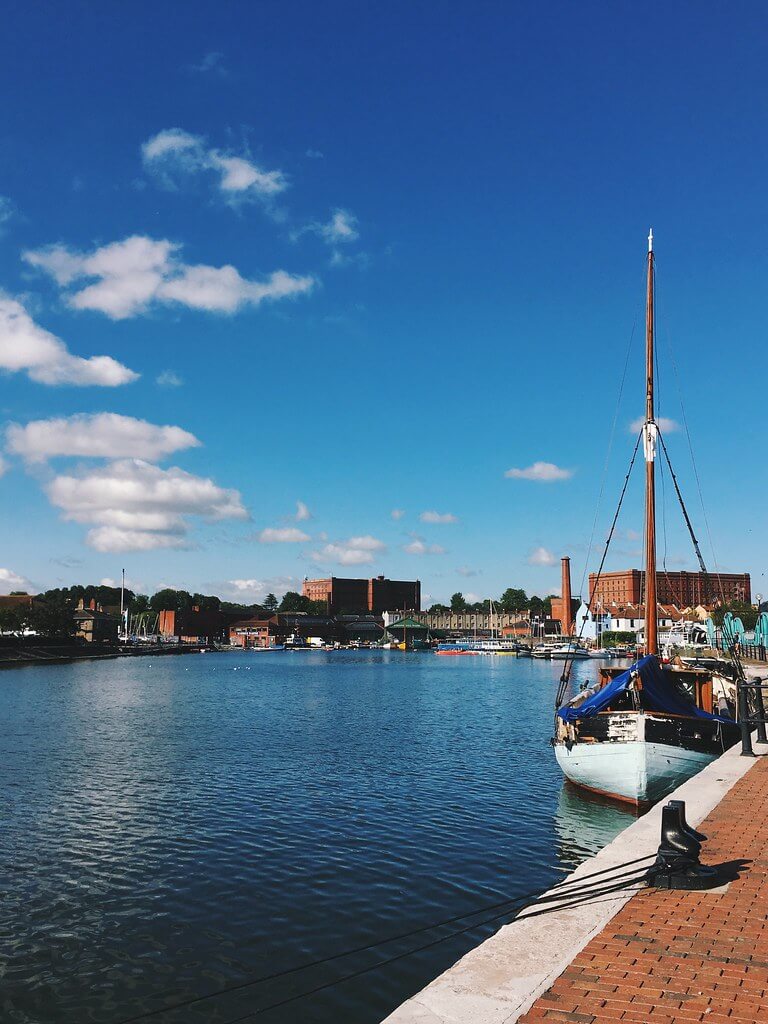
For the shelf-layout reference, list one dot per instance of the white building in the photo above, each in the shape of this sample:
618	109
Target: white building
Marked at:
591	625
628	618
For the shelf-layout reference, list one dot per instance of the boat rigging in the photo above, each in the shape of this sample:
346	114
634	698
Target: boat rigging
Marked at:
637	734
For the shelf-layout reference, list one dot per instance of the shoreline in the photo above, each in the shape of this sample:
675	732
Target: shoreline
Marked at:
32	655
500	980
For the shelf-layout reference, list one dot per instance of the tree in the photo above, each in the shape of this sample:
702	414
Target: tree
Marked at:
293	602
13	620
513	600
618	638
438	609
458	604
52	618
746	612
138	605
536	607
270	604
170	600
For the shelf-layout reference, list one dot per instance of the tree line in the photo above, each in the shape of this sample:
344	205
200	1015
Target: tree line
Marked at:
512	600
50	614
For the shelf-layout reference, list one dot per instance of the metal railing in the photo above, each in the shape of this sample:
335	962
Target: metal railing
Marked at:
745	649
755	652
752	715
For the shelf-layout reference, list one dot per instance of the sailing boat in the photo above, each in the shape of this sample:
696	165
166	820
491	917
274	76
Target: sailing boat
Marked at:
638	734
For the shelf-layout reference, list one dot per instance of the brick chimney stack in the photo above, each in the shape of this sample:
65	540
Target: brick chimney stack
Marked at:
567	621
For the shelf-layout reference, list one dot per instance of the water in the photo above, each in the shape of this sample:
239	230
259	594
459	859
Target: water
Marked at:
172	826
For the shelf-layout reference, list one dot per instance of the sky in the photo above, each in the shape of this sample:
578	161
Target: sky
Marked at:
290	289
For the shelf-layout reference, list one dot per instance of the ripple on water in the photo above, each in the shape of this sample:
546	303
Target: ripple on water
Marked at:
175	826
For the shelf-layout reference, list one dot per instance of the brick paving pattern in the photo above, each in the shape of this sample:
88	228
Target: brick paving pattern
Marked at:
675	957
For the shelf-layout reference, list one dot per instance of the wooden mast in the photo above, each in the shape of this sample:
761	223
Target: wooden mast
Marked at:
649	448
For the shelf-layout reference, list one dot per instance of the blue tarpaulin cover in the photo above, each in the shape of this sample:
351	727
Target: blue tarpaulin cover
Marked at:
659	694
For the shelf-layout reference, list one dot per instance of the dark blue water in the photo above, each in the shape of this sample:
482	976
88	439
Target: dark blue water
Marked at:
171	826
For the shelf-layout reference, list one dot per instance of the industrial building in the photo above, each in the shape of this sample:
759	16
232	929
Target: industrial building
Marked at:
363	597
684	589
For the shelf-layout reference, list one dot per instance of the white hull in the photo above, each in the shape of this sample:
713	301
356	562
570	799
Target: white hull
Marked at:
636	771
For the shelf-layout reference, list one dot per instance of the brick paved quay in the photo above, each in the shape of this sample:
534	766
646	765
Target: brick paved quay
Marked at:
602	947
671	957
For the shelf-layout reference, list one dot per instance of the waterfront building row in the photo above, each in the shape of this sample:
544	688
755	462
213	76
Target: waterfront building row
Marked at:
683	589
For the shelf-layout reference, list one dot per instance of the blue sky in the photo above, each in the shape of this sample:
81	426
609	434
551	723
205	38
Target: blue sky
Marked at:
369	260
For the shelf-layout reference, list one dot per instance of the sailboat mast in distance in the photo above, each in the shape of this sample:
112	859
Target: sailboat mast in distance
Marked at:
649	449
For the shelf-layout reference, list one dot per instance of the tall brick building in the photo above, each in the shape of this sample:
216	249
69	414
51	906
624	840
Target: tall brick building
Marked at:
685	589
364	597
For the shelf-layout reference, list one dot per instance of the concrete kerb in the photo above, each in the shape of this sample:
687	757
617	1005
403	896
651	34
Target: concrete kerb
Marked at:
500	979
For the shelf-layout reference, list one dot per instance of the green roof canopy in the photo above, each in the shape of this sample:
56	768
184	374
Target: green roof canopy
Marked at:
407	623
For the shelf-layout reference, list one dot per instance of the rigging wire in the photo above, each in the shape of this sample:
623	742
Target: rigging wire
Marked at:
688	523
731	650
693	461
608	891
607	458
677	595
560	891
568	664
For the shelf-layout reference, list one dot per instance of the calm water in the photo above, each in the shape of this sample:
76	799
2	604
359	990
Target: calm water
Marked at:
171	826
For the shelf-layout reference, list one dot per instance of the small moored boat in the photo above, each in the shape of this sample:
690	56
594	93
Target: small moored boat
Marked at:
571	652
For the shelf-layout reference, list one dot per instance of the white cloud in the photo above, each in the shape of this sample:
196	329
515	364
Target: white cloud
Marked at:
353	551
283	535
135	506
27	347
366	543
7	212
419	547
3	465
314	154
302	512
341	228
342	555
99	435
212	63
397	513
131	275
438	517
541	556
244	591
666	425
466	571
174	155
115	539
10	580
130	584
542	472
168	379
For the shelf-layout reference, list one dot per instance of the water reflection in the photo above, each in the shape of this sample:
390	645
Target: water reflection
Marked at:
586	822
173	826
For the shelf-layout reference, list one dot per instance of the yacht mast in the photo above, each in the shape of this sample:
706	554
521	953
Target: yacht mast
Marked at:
650	433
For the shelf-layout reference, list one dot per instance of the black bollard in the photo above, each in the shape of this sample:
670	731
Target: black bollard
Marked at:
677	863
746	731
680	804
